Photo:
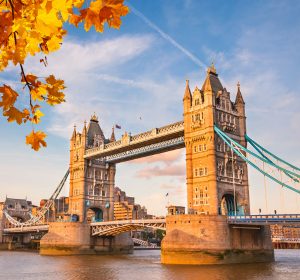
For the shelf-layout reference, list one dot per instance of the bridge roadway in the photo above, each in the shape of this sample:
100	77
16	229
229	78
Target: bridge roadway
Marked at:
264	219
113	228
157	140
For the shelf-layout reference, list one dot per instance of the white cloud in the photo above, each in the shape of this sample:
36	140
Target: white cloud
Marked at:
82	57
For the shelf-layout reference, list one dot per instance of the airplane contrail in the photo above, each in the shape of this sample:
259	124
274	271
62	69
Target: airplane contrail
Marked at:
167	37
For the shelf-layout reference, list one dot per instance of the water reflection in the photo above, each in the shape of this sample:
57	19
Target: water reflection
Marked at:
142	265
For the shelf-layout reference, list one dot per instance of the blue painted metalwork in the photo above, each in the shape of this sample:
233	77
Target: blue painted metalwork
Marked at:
223	135
264	219
259	148
229	142
146	150
265	150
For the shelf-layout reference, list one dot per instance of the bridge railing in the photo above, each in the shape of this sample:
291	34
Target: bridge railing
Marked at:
270	218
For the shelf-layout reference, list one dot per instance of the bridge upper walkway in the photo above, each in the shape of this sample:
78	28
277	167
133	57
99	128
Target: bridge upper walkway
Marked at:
151	142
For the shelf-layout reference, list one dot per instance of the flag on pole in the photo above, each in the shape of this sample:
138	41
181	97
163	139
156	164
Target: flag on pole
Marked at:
167	194
118	126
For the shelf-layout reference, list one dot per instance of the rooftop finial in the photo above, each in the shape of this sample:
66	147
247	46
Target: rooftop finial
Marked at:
112	137
74	133
212	69
238	85
94	117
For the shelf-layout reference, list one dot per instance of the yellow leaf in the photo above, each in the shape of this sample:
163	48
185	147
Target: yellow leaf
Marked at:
37	115
36	140
39	93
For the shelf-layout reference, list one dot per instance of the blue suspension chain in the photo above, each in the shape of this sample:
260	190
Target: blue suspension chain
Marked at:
233	144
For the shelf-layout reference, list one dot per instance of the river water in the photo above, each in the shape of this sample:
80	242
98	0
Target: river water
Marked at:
142	265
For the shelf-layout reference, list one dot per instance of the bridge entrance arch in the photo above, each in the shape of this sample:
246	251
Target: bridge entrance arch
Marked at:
94	214
227	205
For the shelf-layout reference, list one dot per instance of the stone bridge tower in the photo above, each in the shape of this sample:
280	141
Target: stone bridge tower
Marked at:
217	181
91	181
217	185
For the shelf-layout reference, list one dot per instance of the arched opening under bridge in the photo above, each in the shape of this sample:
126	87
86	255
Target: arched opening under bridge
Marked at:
94	214
227	205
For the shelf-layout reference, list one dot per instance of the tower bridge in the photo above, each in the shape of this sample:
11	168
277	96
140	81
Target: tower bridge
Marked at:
213	133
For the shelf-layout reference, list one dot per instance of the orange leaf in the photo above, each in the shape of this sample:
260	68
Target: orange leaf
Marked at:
9	97
75	20
14	114
36	140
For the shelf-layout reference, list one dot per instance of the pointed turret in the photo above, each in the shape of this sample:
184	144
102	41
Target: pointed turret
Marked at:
239	98
187	98
74	133
112	137
187	93
84	130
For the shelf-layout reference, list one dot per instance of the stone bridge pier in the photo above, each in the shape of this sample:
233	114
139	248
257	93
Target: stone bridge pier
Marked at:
70	238
209	239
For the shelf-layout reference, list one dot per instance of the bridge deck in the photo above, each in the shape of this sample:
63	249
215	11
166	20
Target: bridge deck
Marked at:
24	229
264	219
116	227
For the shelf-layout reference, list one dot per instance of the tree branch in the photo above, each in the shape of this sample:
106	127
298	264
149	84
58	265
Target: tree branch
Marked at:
21	66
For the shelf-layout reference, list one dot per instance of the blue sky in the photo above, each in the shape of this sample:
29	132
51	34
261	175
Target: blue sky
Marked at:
136	71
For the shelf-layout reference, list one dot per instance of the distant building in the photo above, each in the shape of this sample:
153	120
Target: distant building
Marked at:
19	209
126	209
176	210
58	210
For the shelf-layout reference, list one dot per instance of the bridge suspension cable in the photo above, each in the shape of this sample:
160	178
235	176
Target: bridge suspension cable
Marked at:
42	212
261	149
269	167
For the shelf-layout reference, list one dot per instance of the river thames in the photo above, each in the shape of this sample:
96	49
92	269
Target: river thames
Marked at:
142	265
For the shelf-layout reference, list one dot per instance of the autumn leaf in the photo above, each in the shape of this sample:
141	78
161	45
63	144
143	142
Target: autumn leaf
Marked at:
36	140
37	115
99	13
13	114
9	97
